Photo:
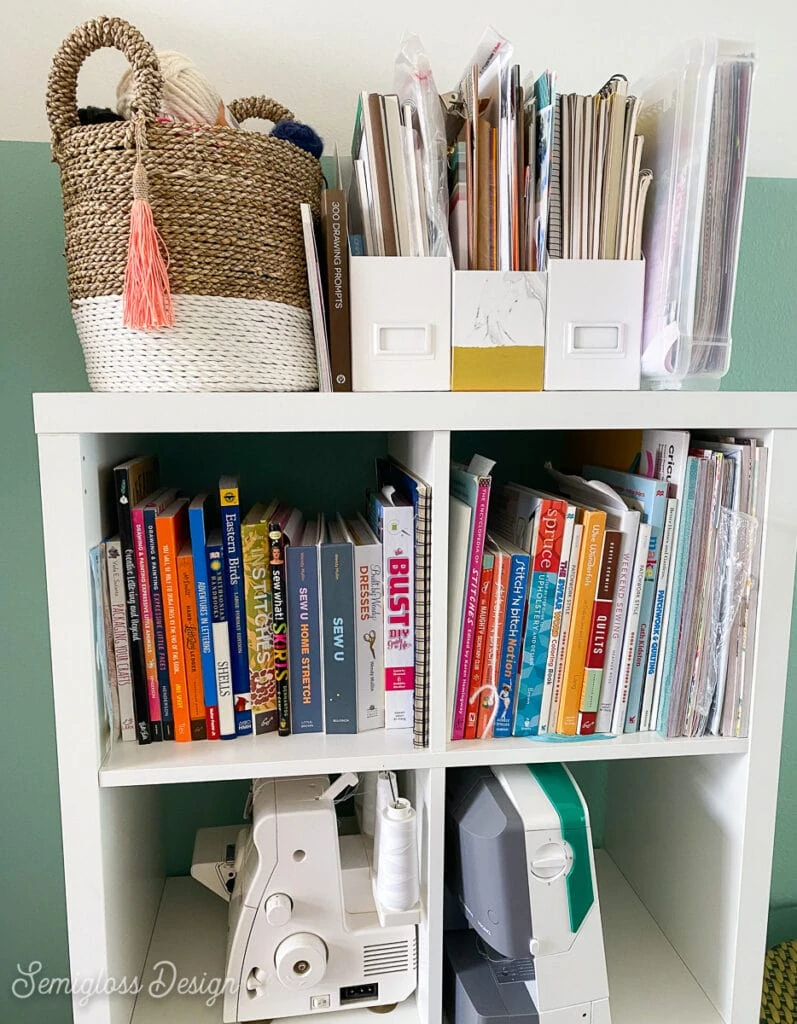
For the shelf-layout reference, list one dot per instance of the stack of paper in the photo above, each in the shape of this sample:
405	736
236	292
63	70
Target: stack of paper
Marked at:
598	201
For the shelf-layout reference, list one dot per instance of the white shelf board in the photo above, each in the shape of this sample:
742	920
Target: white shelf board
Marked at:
648	981
247	757
612	748
128	764
89	413
190	932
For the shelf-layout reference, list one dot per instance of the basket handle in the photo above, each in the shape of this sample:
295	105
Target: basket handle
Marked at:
260	107
80	44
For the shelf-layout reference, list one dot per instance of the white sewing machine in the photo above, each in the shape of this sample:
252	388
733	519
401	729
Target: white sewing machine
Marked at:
303	933
521	867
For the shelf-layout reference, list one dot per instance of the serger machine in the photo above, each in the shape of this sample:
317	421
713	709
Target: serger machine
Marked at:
521	869
303	932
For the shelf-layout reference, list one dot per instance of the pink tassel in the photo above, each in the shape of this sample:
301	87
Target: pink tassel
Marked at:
147	298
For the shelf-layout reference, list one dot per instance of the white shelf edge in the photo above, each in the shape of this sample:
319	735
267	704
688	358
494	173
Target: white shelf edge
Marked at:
110	413
128	764
626	747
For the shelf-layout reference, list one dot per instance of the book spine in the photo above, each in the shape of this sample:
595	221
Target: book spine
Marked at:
599	633
547	555
479	647
659	619
556	620
196	523
564	632
583	600
110	656
174	632
398	557
222	667
191	644
369	656
511	648
279	628
471	601
147	624
335	234
646	613
612	718
304	640
125	500
337	631
259	626
236	608
121	639
159	624
614	644
678	585
492	655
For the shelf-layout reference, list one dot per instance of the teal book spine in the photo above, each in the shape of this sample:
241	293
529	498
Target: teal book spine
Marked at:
678	583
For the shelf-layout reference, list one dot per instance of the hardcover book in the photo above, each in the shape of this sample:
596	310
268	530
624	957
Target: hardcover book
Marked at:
197	523
214	553
229	503
171	528
133	481
337	631
369	641
304	631
259	617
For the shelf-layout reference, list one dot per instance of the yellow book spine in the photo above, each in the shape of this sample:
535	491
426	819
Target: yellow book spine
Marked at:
586	586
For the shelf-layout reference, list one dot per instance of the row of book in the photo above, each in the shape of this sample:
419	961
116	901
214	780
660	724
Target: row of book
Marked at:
623	602
212	625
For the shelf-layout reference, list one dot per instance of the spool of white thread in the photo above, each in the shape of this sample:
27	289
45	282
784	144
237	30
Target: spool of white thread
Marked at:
386	794
397	882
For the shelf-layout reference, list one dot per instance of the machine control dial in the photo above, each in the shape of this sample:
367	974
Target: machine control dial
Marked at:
550	860
279	908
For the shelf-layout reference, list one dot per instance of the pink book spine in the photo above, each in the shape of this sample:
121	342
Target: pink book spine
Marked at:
471	608
147	623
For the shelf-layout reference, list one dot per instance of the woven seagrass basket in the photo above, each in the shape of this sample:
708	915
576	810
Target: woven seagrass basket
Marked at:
225	203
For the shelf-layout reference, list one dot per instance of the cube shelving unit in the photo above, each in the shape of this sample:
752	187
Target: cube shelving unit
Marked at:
685	869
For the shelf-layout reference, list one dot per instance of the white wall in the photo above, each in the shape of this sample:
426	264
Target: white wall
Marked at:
315	55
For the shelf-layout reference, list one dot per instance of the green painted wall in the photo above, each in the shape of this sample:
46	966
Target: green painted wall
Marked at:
39	352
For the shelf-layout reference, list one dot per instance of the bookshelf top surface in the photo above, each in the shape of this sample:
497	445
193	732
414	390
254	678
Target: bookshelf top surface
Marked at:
128	764
250	412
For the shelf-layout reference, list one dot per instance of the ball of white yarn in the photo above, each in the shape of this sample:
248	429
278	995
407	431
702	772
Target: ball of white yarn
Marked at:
187	95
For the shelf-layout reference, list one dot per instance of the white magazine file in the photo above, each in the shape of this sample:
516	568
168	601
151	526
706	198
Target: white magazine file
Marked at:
400	323
594	325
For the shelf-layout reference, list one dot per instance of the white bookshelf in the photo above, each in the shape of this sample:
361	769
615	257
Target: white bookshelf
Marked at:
684	876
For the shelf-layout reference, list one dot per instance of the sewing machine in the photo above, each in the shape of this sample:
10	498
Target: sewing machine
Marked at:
521	870
303	931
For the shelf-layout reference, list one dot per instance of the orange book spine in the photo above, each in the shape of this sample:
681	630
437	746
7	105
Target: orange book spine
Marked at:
492	648
193	664
479	646
169	531
589	564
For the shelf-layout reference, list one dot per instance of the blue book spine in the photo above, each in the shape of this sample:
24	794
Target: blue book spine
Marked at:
236	607
646	610
304	640
512	643
337	629
196	525
542	593
677	590
159	625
